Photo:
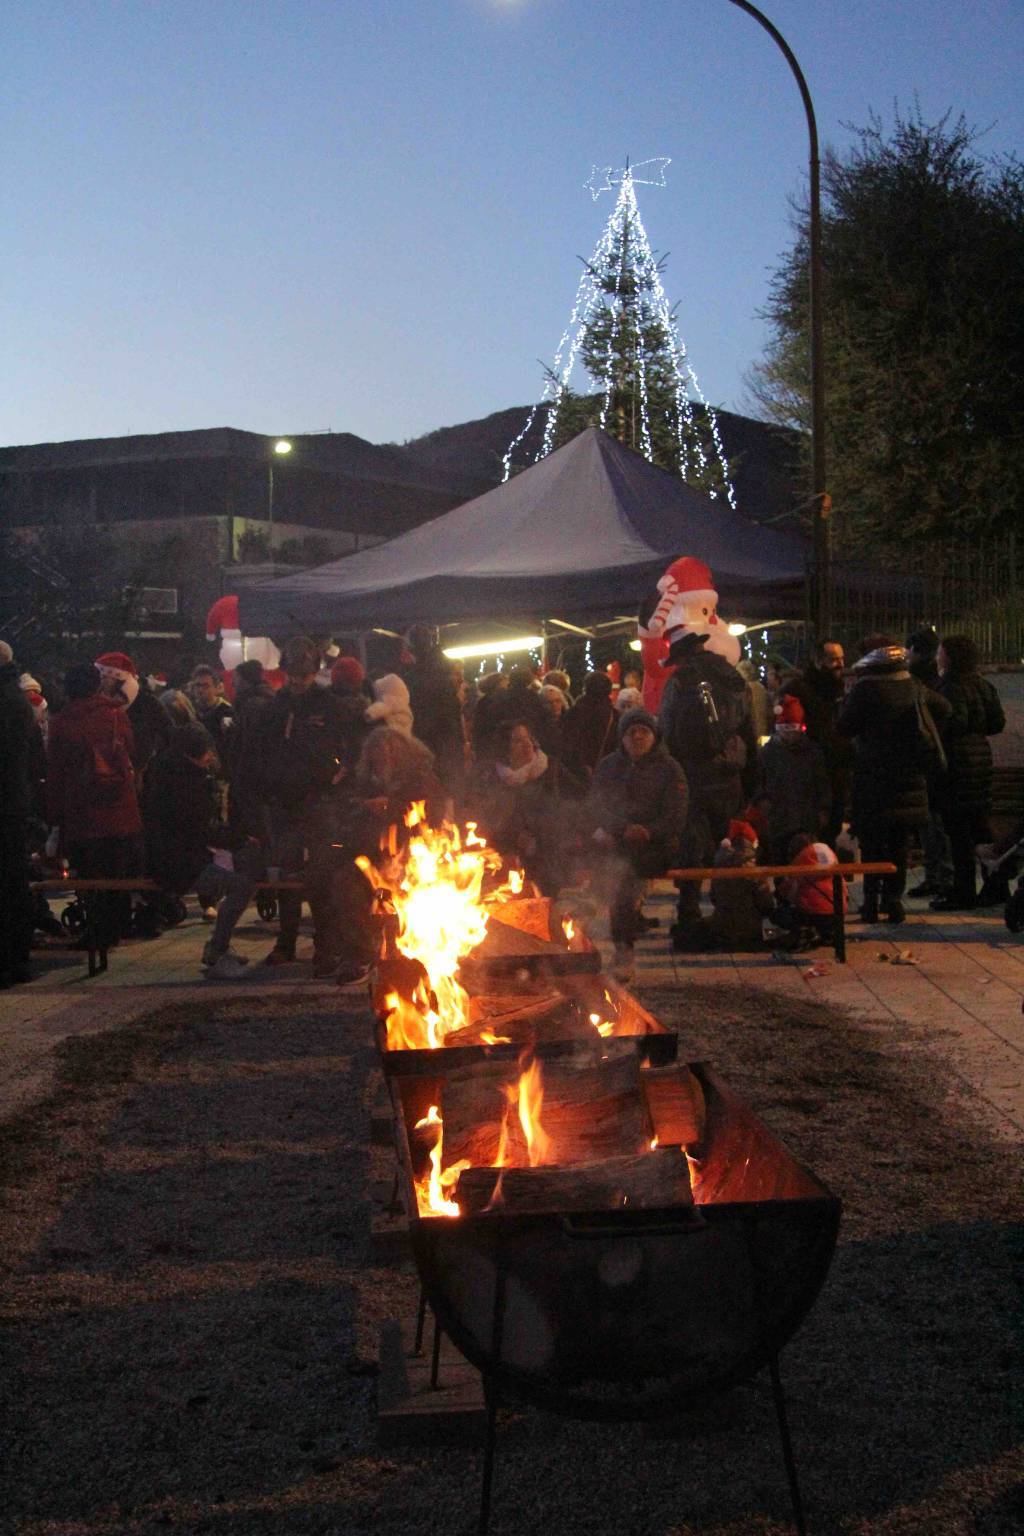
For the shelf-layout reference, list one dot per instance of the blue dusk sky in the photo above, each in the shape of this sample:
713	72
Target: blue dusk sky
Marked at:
367	217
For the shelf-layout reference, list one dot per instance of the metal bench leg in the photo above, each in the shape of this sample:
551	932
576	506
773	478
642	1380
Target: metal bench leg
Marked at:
838	920
491	1396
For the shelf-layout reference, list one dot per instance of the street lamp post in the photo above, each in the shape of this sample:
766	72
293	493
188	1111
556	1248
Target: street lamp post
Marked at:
281	447
821	584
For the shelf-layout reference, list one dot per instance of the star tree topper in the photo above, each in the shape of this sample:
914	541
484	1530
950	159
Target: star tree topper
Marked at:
604	178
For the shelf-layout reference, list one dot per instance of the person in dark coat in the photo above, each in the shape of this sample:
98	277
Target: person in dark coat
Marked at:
820	689
91	796
922	647
966	793
485	712
706	722
180	809
792	777
436	709
299	745
20	745
589	729
151	729
637	805
890	787
522	799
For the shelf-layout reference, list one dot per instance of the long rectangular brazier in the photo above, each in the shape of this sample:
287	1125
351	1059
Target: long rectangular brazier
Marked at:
627	1313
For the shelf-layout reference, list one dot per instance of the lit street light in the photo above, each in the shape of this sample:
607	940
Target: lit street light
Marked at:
282	447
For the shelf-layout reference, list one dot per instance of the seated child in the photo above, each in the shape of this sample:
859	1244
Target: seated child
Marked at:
807	908
740	906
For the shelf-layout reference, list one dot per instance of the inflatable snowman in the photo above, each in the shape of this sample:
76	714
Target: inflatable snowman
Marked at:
685	603
234	646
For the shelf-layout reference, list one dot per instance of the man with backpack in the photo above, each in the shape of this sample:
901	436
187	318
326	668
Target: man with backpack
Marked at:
705	720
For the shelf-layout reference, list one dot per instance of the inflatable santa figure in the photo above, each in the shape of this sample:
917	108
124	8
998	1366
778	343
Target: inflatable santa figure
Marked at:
234	646
685	603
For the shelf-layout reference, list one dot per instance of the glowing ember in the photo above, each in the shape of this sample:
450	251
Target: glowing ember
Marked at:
515	881
486	1038
603	1026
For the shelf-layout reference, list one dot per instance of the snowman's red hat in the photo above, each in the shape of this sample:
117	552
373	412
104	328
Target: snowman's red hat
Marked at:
688	576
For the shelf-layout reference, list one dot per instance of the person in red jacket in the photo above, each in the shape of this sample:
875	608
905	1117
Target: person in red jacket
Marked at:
91	798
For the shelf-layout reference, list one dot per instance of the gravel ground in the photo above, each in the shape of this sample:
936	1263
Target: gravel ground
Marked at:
191	1313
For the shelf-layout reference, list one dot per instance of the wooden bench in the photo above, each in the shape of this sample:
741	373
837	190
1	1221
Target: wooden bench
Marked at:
73	885
793	872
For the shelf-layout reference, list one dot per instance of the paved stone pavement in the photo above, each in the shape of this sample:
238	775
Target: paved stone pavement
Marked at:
960	1002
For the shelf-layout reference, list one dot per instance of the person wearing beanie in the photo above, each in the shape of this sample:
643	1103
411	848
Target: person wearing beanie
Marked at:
738	907
793	780
807	907
882	715
636	808
628	698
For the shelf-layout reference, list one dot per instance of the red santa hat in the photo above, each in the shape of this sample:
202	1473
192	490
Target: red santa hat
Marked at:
742	830
116	664
347	669
789	711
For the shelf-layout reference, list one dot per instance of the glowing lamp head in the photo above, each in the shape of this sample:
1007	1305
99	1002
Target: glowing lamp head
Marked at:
282	446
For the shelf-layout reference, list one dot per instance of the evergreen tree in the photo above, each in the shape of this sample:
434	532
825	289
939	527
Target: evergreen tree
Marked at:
627	342
923	249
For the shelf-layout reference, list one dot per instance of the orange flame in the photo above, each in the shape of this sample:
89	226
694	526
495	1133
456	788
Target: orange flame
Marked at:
436	895
431	1199
515	881
569	928
603	1026
531	1100
486	1038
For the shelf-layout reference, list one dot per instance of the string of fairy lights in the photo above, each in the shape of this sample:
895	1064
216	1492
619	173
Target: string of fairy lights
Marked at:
625	250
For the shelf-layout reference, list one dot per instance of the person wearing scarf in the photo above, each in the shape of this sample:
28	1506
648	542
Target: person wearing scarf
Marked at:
523	803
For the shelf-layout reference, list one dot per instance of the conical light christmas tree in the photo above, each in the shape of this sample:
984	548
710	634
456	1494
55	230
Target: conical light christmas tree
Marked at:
623	336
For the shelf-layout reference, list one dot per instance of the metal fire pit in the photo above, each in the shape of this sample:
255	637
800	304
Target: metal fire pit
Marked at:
631	1314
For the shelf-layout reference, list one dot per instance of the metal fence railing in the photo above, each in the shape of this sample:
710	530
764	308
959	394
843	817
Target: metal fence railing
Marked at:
974	588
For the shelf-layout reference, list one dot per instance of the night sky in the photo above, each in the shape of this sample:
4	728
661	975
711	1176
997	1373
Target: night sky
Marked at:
368	216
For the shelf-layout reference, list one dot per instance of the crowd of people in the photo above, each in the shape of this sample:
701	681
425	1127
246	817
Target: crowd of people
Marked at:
592	793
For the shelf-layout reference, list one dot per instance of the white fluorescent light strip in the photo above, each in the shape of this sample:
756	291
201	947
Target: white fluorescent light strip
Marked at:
493	647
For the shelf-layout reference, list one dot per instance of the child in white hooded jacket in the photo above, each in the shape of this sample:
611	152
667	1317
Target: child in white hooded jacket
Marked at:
391	704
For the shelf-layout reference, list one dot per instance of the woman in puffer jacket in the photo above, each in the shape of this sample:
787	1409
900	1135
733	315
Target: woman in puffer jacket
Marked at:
966	795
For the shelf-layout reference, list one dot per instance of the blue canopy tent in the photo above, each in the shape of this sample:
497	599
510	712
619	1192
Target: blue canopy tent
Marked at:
582	535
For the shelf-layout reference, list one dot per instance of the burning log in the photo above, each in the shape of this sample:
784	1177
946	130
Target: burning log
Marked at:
593	1107
675	1102
509	951
650	1180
